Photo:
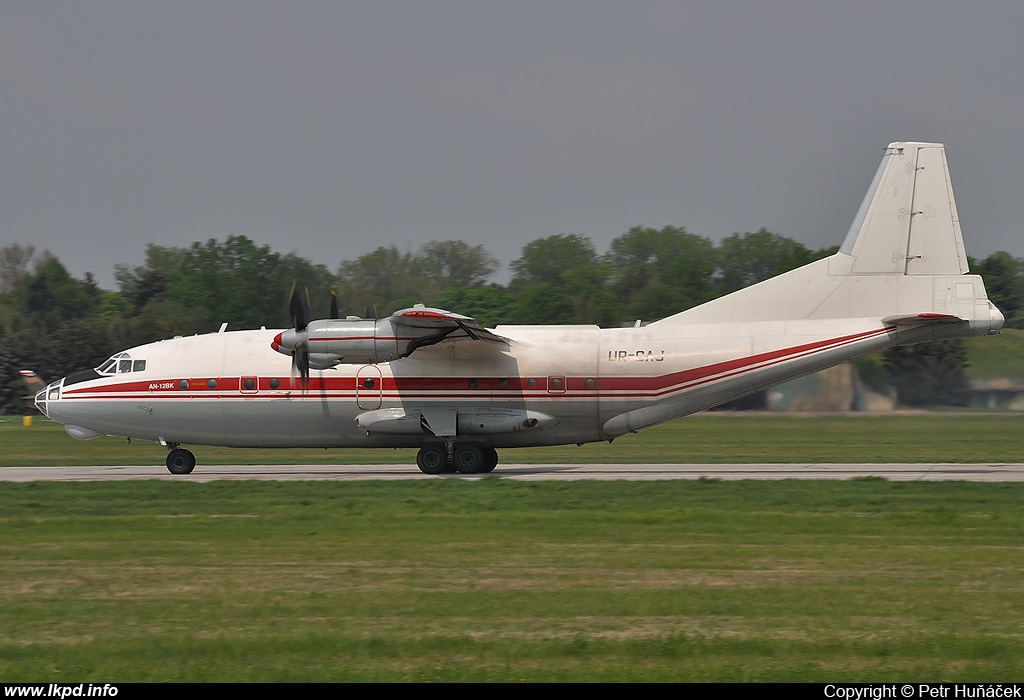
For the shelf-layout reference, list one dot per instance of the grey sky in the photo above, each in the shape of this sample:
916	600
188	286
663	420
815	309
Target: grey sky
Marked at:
331	128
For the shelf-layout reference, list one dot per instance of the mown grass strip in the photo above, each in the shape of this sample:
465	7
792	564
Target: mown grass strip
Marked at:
492	580
701	439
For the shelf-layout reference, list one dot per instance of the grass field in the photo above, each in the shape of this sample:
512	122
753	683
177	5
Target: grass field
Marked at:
449	580
493	580
704	438
996	356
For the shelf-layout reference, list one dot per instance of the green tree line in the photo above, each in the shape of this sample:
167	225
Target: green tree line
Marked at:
57	324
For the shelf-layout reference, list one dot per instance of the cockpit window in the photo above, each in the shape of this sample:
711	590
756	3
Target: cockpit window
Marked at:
121	362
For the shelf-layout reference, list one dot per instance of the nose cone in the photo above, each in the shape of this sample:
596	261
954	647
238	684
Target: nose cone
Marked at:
45	398
49	403
40	402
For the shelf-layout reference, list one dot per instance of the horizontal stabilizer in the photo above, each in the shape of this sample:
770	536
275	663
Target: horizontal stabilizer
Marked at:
921	319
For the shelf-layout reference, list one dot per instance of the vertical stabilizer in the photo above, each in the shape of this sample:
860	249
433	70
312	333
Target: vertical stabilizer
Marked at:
904	254
908	224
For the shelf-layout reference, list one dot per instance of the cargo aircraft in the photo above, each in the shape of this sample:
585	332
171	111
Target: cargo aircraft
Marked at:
438	381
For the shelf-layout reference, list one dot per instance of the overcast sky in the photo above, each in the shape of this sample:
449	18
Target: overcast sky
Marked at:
331	128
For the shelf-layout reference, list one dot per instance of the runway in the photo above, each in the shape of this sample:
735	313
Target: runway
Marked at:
532	472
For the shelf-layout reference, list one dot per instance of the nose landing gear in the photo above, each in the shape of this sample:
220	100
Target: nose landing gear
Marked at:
180	461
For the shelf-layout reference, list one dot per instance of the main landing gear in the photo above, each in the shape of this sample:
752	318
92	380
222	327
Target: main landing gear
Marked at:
431	459
180	461
464	459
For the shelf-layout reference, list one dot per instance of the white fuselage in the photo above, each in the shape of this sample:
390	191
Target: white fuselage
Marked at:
584	383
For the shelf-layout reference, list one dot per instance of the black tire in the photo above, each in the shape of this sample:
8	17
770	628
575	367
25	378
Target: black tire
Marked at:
431	460
180	461
469	459
490	460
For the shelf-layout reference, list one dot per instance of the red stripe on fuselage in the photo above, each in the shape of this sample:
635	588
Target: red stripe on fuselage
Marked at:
456	387
701	375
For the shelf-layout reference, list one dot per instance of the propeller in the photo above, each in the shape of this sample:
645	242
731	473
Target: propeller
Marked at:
298	308
295	340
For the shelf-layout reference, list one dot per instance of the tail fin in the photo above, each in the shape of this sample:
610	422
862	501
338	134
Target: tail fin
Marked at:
33	383
902	258
907	224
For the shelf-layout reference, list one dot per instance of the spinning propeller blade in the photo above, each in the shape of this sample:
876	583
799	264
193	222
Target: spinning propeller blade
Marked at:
298	308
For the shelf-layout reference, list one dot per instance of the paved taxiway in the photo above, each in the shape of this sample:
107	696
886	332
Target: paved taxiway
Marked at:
534	472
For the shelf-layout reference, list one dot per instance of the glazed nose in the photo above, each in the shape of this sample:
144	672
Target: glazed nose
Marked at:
50	393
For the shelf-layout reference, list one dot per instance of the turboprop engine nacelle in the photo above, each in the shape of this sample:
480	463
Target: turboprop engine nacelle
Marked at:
331	342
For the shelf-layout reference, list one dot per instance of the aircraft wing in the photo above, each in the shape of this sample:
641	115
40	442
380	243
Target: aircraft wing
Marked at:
457	325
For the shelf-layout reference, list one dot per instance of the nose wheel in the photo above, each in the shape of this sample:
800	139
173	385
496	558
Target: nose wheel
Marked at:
180	461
